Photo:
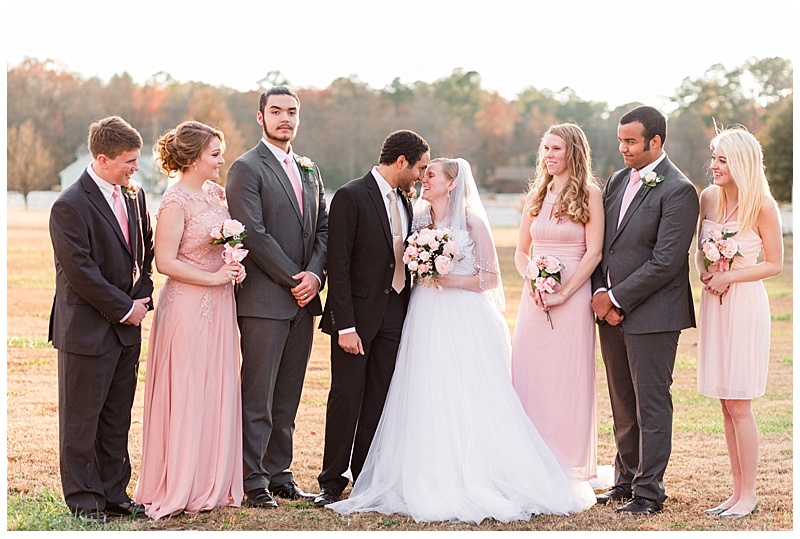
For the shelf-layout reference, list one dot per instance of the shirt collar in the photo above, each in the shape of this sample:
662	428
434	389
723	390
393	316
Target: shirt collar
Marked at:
383	185
649	168
106	188
279	154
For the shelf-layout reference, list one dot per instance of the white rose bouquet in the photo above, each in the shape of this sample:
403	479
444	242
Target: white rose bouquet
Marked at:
231	233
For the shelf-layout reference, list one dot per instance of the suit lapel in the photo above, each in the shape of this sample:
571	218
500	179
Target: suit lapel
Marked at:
99	201
276	167
380	206
643	191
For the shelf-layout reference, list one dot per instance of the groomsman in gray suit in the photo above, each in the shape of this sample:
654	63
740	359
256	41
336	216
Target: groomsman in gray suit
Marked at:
642	301
280	199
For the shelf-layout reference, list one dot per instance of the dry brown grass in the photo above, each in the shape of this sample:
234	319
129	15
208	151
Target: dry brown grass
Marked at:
696	478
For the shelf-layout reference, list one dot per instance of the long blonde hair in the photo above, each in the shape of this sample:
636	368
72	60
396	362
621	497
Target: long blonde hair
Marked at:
574	198
745	161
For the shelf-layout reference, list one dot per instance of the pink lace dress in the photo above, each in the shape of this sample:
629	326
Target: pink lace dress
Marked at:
553	369
733	337
192	448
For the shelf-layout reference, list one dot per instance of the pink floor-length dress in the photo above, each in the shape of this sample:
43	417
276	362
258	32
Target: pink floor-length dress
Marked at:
554	369
733	338
192	448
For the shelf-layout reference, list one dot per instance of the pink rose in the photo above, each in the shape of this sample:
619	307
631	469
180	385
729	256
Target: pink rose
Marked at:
545	284
434	244
710	251
422	269
413	265
424	256
451	248
216	234
716	235
443	264
728	247
532	270
232	227
412	251
552	264
425	236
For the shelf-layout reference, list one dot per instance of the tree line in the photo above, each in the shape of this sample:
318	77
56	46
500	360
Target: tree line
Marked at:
49	109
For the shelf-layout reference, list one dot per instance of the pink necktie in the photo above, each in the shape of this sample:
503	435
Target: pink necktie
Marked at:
630	192
298	189
121	213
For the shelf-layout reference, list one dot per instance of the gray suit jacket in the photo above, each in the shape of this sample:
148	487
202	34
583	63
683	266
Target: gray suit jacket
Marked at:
647	256
281	242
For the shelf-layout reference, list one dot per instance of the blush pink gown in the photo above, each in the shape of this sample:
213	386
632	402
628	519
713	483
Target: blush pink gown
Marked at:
192	448
733	338
553	370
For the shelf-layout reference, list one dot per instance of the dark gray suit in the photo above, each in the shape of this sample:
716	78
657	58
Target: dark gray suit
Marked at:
276	334
97	278
646	259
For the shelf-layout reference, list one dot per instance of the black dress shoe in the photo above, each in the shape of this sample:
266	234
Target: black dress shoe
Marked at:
327	496
641	506
126	509
291	491
259	497
92	516
616	494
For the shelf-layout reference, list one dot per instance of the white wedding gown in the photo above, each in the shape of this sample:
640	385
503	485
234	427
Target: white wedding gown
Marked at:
454	443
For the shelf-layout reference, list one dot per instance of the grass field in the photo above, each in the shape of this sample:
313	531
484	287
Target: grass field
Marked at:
696	478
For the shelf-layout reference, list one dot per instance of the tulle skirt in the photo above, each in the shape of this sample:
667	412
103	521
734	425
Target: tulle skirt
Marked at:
454	443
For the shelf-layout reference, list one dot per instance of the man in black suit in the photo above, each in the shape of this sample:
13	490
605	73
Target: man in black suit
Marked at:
280	199
369	289
103	247
642	302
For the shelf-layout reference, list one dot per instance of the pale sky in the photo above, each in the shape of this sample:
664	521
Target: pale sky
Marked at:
617	52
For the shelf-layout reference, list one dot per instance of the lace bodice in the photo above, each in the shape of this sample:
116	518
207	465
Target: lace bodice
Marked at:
201	213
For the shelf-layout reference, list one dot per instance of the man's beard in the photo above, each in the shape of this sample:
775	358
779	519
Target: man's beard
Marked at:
281	136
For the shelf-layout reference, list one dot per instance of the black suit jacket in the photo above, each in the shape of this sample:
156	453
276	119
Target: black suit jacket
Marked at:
97	274
360	259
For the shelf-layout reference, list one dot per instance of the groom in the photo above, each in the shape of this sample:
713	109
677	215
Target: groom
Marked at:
642	301
369	289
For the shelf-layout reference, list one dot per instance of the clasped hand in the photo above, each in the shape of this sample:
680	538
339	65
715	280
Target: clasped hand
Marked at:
307	289
715	282
605	309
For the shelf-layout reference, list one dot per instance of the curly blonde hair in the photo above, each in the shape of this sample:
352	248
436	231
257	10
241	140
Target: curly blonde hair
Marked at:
574	199
179	148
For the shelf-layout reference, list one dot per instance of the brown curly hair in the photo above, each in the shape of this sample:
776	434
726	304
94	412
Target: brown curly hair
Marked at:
179	148
574	199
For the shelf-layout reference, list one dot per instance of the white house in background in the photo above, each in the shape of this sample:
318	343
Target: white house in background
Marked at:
147	176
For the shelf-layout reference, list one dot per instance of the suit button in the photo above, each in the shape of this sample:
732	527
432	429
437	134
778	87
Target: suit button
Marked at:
386	291
391	265
611	251
306	234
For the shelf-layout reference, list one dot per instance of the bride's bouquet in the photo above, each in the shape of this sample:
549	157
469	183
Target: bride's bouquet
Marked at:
231	233
719	249
544	271
430	252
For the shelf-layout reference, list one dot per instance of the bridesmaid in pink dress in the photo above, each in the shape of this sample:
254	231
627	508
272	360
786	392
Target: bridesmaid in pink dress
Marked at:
192	448
553	368
733	341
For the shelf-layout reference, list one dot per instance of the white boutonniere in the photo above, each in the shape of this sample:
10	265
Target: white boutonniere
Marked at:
306	163
132	189
651	179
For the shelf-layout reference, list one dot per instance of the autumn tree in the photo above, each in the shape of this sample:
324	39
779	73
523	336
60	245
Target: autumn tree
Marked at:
777	140
30	165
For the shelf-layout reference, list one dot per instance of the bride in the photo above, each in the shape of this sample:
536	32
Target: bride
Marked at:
454	443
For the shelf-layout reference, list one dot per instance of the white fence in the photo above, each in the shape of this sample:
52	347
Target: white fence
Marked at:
503	209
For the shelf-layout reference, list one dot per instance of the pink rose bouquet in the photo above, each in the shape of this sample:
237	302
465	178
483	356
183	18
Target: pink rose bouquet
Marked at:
544	271
719	249
430	252
231	233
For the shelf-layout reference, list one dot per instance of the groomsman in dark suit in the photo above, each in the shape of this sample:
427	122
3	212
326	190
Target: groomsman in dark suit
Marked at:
103	247
280	199
642	300
369	289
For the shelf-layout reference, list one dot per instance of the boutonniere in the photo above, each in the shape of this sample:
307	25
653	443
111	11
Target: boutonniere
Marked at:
306	163
651	179
132	189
